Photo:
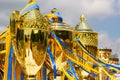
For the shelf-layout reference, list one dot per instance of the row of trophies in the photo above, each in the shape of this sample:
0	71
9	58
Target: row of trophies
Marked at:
46	48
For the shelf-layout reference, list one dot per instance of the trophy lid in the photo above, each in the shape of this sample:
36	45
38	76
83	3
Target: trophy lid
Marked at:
54	10
31	17
83	26
31	11
61	26
56	20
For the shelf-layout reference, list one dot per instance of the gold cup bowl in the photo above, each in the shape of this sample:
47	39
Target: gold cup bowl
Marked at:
64	32
30	42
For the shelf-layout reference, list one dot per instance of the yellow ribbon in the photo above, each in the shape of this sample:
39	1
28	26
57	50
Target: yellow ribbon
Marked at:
112	77
75	61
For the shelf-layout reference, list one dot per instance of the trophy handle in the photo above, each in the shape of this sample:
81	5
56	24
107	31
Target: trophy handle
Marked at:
15	16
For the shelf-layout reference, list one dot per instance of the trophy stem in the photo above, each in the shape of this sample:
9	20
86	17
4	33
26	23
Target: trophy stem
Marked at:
31	77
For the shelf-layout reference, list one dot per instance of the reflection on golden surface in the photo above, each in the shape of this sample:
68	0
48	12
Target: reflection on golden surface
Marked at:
31	50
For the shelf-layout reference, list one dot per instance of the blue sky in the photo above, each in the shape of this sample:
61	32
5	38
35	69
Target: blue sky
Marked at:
102	15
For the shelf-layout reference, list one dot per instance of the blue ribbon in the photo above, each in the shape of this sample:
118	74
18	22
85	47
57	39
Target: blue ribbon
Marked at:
90	54
59	16
87	71
95	58
73	69
69	50
52	60
57	38
44	72
31	7
69	72
107	78
10	63
94	65
14	69
22	76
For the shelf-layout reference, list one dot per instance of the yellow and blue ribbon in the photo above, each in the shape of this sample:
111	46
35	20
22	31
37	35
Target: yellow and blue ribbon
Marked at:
30	6
69	61
73	69
59	16
55	15
95	58
69	50
52	60
93	74
58	39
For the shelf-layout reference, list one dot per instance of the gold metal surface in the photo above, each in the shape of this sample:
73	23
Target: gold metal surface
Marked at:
61	26
83	26
89	39
87	35
54	10
23	48
30	49
64	32
31	40
31	1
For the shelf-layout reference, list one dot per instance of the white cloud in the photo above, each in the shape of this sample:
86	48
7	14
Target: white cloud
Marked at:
97	7
2	28
106	42
70	9
3	16
118	7
118	41
4	19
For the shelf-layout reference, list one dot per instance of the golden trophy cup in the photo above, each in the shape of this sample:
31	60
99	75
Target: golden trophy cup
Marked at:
30	39
64	32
